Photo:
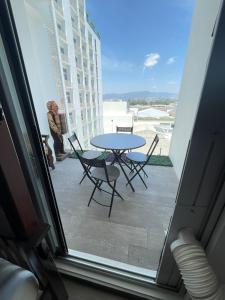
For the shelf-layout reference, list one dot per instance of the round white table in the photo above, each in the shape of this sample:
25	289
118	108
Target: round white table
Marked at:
118	143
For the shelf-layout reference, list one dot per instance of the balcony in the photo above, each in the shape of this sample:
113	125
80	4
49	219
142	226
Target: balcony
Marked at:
74	20
73	5
78	63
58	8
136	230
65	59
61	32
76	42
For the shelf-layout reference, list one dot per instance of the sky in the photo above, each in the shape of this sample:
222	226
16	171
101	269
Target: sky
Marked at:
143	43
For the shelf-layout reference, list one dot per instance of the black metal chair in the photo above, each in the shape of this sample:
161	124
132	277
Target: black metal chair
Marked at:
99	174
89	154
124	129
139	160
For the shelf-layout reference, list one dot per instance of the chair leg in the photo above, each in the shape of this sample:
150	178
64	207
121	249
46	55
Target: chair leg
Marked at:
138	173
84	175
118	194
99	187
132	168
82	178
96	185
112	198
144	173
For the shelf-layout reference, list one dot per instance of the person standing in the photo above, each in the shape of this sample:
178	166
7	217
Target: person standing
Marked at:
55	128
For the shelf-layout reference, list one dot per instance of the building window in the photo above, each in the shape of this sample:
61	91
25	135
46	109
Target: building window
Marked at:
59	26
78	79
86	81
68	97
88	98
71	117
65	74
82	115
89	115
62	50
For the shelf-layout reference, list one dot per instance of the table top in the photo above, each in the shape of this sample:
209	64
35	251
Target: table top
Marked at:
118	141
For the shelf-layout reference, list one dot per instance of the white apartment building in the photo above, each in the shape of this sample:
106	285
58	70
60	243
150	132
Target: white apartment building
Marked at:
58	39
79	55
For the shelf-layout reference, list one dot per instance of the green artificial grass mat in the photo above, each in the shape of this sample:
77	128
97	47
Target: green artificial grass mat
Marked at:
155	160
160	160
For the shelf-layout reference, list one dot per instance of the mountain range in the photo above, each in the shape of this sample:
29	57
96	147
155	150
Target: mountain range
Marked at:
146	95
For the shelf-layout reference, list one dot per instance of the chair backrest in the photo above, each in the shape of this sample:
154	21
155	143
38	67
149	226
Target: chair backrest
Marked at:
88	163
124	129
153	146
72	139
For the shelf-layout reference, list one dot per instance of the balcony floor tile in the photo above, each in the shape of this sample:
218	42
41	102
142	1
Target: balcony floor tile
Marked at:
134	233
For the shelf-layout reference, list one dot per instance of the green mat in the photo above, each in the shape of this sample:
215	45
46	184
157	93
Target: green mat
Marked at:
155	160
160	160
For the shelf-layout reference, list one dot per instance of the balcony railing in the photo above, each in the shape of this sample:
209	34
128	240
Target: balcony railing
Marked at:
58	8
62	35
65	59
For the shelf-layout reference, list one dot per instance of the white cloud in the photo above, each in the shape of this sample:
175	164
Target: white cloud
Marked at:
171	60
151	60
113	64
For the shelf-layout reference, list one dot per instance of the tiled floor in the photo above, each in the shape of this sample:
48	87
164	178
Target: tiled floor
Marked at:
134	233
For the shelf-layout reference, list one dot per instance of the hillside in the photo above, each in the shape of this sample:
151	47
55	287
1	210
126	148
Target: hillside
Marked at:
142	95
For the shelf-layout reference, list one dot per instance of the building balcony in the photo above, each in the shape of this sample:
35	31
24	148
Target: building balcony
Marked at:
81	13
74	20
136	230
79	67
58	9
81	87
75	29
68	83
73	6
65	59
62	36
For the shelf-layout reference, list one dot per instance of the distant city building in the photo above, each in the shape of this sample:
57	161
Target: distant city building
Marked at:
116	113
152	113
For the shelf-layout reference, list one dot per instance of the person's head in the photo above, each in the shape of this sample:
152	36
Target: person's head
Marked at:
52	106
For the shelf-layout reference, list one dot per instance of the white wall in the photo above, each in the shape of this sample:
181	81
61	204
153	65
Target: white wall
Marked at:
200	44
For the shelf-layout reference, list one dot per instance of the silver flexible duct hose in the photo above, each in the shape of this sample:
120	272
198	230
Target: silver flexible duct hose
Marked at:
198	276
